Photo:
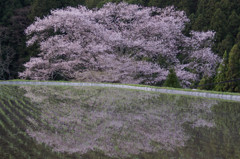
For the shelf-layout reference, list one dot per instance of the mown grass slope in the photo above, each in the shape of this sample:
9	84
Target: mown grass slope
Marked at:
101	123
139	85
15	143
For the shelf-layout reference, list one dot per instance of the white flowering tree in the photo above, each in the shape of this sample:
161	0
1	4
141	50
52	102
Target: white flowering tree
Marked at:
118	43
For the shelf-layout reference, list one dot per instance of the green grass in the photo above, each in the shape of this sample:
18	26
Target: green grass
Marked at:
15	110
156	110
138	85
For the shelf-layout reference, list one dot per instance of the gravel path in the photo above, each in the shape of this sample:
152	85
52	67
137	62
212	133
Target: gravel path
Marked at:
169	91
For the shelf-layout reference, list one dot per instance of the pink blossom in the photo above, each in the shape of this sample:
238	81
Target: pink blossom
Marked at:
119	43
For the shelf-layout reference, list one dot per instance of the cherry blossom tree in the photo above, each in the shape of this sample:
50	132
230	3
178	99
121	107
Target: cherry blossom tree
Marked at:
118	43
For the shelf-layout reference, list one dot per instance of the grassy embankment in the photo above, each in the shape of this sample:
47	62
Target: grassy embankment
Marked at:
139	85
19	112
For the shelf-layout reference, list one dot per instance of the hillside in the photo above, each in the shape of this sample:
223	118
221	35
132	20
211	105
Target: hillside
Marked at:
94	122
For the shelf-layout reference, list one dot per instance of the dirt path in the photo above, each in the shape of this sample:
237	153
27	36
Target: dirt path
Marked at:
169	91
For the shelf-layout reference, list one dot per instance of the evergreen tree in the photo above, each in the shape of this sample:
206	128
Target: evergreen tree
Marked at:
210	10
189	6
172	80
226	6
225	45
238	37
218	24
145	2
206	83
200	23
235	6
221	74
157	3
7	9
7	54
13	21
40	8
233	23
202	6
91	3
233	71
203	9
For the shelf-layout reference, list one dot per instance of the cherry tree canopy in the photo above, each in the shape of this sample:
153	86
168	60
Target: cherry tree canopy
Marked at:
118	43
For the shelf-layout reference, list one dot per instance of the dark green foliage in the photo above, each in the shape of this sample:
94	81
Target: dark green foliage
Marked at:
7	54
189	6
233	23
207	9
172	80
206	83
7	9
225	45
218	22
156	3
233	71
238	37
222	74
40	8
91	3
220	16
226	5
13	21
200	23
228	70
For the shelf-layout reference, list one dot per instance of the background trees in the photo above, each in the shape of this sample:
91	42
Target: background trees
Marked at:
233	68
6	56
13	21
40	8
222	74
229	71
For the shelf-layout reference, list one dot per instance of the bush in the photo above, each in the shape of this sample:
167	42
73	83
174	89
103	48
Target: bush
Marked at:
172	80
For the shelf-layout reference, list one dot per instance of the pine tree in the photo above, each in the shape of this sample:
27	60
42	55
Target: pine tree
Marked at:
218	24
200	23
238	36
233	23
206	83
172	80
226	6
210	9
42	8
202	6
7	9
91	3
221	74
156	3
13	21
145	2
206	8
189	6
225	45
233	71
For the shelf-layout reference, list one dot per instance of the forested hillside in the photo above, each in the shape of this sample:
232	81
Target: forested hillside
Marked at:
222	16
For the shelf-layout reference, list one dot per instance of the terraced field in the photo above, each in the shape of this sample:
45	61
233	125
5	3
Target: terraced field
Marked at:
15	109
105	123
